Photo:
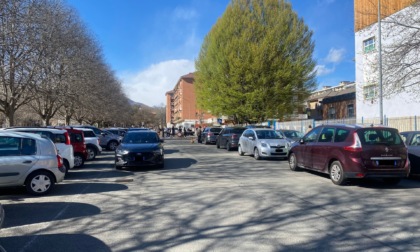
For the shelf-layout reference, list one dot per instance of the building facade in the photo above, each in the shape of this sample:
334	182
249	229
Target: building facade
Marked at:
181	109
396	102
338	102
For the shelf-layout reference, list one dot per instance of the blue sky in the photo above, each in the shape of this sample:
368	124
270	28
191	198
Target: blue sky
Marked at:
151	43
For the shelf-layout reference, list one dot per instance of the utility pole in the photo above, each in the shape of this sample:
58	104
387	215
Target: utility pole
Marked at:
381	111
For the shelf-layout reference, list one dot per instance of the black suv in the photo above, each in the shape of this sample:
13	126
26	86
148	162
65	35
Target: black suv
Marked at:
229	137
209	134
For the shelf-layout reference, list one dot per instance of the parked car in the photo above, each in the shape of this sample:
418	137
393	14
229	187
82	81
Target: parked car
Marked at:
140	148
209	135
60	138
29	160
106	139
117	131
291	135
263	143
351	151
229	137
412	140
77	139
93	148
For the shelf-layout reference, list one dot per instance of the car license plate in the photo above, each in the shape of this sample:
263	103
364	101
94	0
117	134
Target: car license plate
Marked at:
279	150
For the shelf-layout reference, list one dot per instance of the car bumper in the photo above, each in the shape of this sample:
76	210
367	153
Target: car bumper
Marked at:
135	160
274	153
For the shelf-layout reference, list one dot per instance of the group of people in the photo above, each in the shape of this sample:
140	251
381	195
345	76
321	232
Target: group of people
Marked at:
180	132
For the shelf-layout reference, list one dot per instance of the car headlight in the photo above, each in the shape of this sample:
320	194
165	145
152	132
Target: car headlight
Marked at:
264	145
158	151
287	145
122	152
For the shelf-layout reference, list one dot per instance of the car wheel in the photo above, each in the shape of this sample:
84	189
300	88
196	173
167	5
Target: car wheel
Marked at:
78	160
39	183
257	154
91	153
228	146
241	153
337	173
293	162
162	165
117	167
112	145
391	181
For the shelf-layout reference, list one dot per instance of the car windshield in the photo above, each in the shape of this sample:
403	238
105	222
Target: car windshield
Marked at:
268	134
379	136
292	134
138	138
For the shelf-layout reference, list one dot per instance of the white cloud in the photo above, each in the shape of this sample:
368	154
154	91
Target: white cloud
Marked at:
184	14
335	55
323	70
149	86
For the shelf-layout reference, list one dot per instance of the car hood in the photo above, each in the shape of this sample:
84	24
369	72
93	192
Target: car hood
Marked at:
139	147
274	142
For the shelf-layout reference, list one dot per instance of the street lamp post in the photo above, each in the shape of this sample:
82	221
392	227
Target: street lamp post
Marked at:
381	112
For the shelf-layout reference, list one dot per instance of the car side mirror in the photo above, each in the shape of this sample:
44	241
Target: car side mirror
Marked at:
301	141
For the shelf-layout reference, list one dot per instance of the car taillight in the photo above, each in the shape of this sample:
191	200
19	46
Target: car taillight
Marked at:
356	146
210	134
66	134
234	136
59	161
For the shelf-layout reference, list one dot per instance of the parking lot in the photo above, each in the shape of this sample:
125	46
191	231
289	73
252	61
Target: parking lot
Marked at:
208	199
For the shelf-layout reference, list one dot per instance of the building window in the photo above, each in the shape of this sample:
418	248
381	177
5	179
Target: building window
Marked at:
370	91
369	45
331	113
350	110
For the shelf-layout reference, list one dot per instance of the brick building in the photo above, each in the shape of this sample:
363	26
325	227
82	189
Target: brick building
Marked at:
181	109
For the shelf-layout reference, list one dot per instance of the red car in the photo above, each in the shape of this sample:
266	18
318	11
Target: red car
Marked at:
352	151
77	139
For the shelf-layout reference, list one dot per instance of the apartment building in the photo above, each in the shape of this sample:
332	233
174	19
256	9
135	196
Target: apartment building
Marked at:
398	91
181	109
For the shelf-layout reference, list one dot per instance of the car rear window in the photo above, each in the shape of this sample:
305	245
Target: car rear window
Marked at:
215	130
379	136
76	138
237	131
59	138
341	135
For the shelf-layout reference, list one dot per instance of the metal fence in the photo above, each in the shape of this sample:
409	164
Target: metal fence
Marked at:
408	123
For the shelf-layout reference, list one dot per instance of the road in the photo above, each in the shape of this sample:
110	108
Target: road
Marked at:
208	199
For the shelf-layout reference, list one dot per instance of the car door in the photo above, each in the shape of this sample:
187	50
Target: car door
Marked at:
244	140
223	137
17	156
304	156
322	148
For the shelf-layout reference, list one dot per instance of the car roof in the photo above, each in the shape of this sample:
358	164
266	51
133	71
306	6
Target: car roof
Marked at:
57	131
22	134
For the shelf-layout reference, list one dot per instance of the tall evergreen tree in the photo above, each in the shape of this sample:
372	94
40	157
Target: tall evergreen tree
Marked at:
256	62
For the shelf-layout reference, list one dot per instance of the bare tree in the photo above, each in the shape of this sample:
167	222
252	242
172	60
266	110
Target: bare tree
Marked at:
19	43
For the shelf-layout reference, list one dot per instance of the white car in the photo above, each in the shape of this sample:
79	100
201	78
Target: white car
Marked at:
60	138
30	160
263	143
93	147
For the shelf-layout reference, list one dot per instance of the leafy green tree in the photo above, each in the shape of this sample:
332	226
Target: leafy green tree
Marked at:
256	62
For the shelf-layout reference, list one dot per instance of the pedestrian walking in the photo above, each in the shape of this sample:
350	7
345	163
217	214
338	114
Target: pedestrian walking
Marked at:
199	134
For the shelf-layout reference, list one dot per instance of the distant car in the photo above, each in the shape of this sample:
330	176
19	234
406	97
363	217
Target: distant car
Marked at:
117	131
263	143
140	148
352	151
31	160
93	147
291	135
228	138
106	139
209	135
61	139
77	139
412	140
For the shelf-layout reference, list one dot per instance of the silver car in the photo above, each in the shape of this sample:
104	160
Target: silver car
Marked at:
31	160
263	143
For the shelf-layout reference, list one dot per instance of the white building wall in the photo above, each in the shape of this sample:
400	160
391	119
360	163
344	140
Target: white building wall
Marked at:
399	105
